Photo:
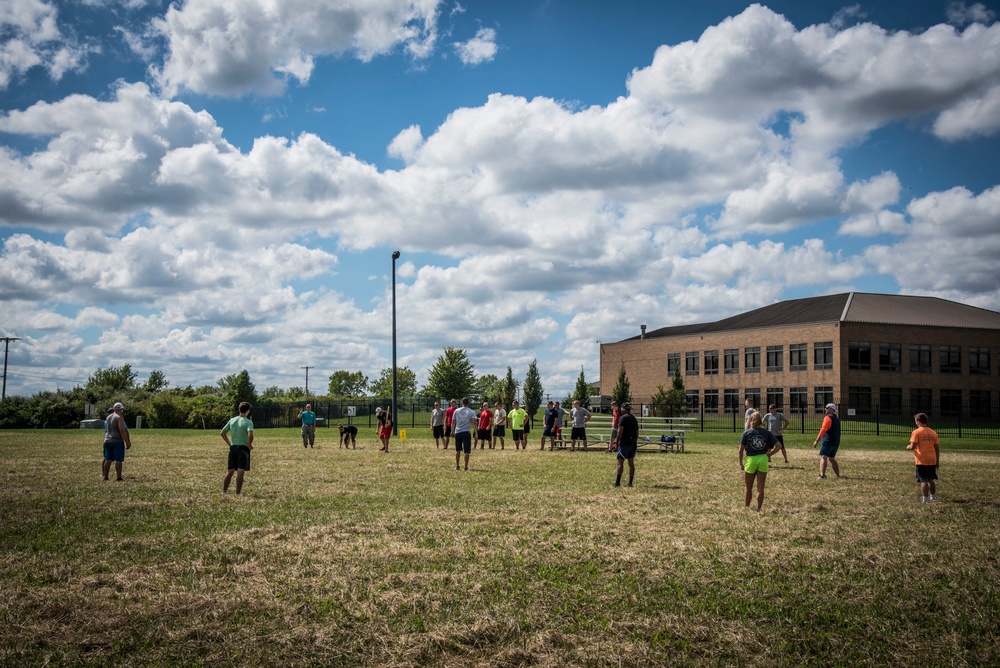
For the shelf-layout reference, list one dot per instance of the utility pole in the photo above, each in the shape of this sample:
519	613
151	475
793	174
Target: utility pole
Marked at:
6	347
395	425
307	377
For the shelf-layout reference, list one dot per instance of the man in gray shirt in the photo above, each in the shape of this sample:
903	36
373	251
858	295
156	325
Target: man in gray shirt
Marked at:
776	423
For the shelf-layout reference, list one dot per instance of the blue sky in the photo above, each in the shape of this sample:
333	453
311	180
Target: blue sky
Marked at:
212	186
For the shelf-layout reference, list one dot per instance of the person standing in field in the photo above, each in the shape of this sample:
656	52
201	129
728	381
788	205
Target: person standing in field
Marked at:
748	404
348	436
483	434
626	444
829	434
776	423
463	421
238	435
561	414
615	416
758	444
437	425
384	428
116	441
448	422
308	426
517	418
926	456
579	417
499	425
549	426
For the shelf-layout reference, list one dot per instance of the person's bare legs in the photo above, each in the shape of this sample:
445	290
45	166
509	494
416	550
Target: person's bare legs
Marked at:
761	477
748	485
836	469
239	480
106	468
227	480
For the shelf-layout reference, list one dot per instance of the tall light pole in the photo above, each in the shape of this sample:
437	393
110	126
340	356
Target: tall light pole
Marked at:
307	377
6	347
395	423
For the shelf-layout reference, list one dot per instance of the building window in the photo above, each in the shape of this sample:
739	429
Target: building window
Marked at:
691	364
775	358
823	355
979	361
859	355
921	401
920	358
753	394
731	360
860	399
776	396
798	398
951	403
890	400
751	360
711	362
673	363
822	395
890	357
711	401
732	400
980	404
692	400
951	359
798	357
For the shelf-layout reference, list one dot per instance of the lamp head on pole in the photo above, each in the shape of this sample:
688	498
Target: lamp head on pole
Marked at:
395	255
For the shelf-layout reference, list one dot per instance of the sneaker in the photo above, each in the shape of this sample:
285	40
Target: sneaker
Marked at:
933	497
617	484
629	485
923	499
822	477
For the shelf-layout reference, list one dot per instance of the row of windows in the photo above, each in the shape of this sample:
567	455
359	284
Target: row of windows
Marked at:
890	358
890	400
859	358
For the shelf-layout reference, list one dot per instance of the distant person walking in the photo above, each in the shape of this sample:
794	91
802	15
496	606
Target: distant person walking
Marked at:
116	441
579	417
499	425
757	443
238	435
518	417
829	435
626	444
464	421
308	426
437	425
348	435
926	456
776	423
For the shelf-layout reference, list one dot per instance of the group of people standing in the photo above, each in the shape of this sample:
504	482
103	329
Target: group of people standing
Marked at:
489	427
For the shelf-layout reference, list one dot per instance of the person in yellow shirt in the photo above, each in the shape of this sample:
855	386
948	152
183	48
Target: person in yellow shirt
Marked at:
926	455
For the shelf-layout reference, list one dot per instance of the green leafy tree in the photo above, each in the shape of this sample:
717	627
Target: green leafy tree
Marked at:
532	389
452	376
273	392
508	389
113	380
406	383
348	384
676	400
157	381
623	388
238	388
488	388
582	391
168	411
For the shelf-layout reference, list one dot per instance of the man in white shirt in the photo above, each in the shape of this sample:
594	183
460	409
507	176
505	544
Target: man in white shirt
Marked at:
463	422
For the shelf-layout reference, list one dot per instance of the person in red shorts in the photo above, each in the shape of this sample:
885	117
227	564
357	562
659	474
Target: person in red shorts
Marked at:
384	428
926	454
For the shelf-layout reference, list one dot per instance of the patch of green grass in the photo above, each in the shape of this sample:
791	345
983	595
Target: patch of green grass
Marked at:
353	557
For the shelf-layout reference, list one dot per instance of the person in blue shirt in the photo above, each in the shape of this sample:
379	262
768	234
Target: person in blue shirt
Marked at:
308	426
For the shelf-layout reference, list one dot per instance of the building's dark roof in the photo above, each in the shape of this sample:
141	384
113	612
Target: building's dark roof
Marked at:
846	307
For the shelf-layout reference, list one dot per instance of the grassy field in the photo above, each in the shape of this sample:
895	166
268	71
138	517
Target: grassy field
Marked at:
358	558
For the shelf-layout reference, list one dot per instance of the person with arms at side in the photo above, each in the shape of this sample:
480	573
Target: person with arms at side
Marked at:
437	425
626	444
238	435
829	435
926	456
308	426
348	436
561	414
464	421
758	444
517	417
776	423
549	426
448	420
499	425
579	417
750	411
616	415
483	434
116	441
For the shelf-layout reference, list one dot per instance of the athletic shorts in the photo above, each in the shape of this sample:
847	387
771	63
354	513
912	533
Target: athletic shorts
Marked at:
463	442
548	431
579	433
239	457
527	427
500	431
614	434
483	434
447	431
827	450
114	451
385	432
926	473
781	438
627	451
439	431
517	434
755	464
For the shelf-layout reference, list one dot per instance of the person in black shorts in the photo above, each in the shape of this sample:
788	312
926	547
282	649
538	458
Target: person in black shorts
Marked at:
348	434
628	443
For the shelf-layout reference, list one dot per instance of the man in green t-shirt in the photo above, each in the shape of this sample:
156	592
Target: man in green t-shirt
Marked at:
517	417
238	435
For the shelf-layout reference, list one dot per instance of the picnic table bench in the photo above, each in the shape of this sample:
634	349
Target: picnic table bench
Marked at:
655	433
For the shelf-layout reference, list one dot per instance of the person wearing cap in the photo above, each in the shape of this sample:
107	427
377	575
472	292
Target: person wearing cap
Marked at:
116	441
384	427
626	444
308	418
238	435
348	436
518	417
776	423
829	435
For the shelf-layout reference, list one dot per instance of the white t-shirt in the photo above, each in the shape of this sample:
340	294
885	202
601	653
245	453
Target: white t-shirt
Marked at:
463	419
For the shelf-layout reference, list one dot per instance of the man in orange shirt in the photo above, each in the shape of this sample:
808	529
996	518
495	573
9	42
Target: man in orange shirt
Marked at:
924	444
